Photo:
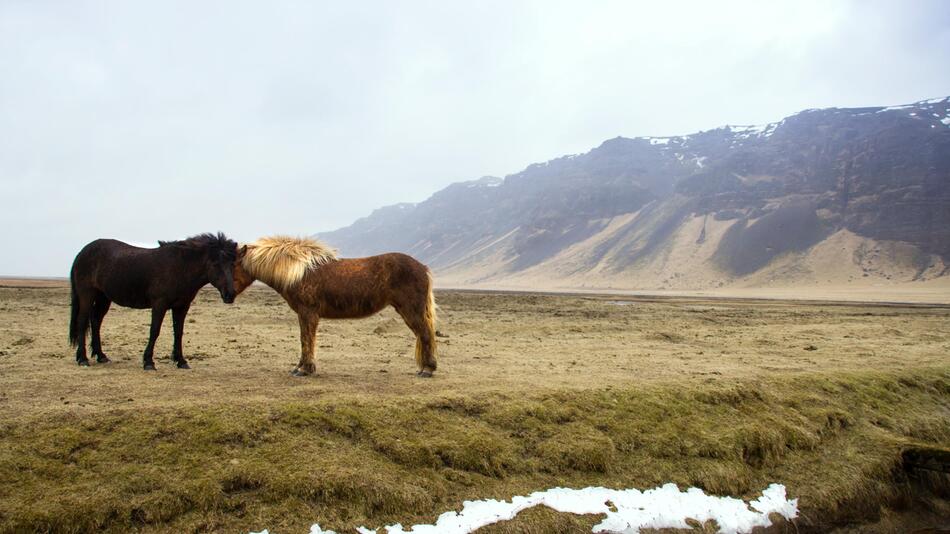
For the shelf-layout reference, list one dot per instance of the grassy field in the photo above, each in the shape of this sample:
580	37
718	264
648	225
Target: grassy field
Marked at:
533	391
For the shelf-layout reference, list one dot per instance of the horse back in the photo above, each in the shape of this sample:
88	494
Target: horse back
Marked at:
125	273
358	287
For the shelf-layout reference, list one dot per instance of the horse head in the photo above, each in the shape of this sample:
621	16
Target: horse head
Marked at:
220	255
242	278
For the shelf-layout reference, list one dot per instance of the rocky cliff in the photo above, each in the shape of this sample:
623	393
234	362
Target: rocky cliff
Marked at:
823	195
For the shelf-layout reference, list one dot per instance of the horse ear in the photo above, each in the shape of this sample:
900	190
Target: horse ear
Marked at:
242	251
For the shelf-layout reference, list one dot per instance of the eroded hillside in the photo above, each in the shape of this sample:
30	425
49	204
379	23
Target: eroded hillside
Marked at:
834	195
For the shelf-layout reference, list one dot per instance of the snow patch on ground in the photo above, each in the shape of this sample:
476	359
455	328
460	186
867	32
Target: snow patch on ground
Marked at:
896	108
918	110
665	141
753	130
627	511
748	128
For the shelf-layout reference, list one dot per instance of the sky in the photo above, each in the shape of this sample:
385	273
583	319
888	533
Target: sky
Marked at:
144	121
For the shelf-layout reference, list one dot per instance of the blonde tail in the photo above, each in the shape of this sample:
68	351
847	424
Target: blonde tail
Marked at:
425	344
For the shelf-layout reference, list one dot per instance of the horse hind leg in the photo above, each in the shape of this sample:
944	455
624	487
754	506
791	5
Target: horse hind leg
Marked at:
100	307
82	324
421	320
425	354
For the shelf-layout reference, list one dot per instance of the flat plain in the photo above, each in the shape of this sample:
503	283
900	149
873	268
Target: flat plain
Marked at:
532	391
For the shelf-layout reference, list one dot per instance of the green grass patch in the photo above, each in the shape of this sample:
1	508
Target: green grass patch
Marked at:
834	440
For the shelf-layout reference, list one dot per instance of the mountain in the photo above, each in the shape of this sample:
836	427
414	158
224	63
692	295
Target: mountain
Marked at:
825	195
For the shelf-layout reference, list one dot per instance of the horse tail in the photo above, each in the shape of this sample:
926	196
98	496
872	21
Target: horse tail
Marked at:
75	329
425	345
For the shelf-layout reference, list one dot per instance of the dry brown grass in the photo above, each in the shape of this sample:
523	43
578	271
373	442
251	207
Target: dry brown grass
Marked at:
532	392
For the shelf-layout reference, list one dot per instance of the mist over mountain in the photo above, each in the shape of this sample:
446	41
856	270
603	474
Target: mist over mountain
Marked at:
825	195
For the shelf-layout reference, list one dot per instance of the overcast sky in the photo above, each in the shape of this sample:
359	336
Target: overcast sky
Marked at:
145	121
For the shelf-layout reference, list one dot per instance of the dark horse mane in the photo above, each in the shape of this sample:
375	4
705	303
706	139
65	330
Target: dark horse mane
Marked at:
205	241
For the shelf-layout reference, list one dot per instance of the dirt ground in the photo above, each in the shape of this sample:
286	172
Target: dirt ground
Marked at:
492	342
532	391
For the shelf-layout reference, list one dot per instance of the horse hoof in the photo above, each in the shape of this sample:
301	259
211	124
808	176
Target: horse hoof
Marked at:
102	358
299	373
83	363
424	374
149	367
183	365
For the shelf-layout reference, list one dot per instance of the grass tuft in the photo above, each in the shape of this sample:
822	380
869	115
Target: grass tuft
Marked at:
836	441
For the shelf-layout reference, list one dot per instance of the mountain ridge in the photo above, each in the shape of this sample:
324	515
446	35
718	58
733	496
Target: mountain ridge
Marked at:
735	205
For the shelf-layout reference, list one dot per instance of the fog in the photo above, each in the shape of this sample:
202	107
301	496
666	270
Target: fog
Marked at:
158	121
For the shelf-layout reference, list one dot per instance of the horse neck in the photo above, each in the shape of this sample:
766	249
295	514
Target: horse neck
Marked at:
242	279
191	269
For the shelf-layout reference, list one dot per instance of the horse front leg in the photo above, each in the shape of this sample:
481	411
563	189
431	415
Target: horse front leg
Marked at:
308	336
178	326
158	315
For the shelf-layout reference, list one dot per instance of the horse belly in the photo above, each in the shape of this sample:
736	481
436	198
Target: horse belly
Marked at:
127	291
127	301
350	306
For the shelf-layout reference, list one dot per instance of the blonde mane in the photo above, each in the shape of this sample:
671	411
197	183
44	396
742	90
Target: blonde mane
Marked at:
282	261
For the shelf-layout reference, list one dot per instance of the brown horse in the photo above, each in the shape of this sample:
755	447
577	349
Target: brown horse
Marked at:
316	284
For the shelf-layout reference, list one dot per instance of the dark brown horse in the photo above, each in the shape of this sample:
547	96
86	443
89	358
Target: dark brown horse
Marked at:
163	278
318	285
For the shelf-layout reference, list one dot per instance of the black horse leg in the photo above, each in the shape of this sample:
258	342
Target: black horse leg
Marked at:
178	323
100	307
82	319
158	315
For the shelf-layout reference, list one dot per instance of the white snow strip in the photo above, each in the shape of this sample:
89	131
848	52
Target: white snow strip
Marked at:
747	127
946	120
753	130
659	140
894	108
663	507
